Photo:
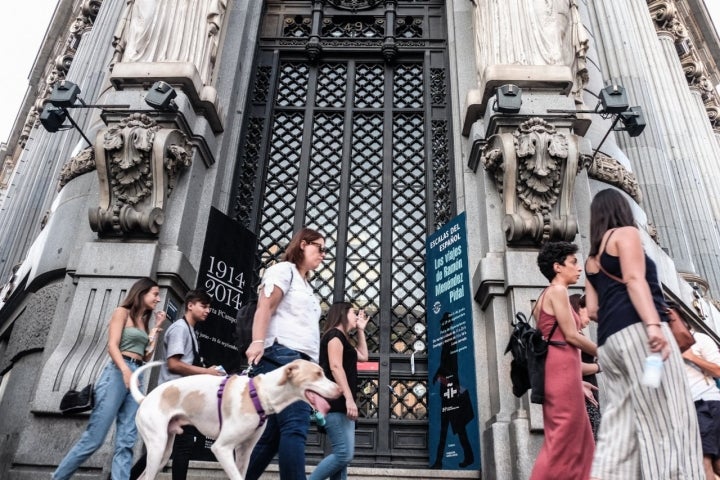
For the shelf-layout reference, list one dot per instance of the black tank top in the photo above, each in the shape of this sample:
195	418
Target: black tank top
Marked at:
349	365
615	310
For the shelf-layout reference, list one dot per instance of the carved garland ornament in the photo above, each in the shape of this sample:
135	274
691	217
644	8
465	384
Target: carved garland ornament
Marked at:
354	5
534	168
607	169
81	163
137	163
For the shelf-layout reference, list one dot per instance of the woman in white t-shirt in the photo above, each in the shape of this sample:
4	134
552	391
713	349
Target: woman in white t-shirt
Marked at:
286	328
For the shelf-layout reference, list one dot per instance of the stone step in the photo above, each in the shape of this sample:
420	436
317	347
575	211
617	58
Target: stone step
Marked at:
212	470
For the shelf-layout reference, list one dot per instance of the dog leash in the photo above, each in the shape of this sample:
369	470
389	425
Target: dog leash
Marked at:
253	396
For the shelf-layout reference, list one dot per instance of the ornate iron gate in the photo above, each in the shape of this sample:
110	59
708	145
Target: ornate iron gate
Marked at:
347	132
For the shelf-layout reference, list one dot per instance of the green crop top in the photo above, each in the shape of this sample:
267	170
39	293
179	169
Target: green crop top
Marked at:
133	340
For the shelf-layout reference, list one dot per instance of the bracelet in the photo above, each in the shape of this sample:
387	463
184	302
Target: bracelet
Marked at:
652	325
257	341
598	365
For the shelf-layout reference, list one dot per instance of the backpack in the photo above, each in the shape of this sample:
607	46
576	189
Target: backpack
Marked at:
243	327
529	350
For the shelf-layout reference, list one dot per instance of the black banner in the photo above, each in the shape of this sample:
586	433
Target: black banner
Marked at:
225	273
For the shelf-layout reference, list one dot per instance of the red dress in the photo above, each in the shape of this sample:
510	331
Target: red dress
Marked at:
567	451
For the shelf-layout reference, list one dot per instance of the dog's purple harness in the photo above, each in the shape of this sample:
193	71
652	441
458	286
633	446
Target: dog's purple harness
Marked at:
253	397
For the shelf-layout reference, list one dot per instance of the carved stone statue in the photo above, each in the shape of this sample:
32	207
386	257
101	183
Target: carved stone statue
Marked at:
172	31
532	33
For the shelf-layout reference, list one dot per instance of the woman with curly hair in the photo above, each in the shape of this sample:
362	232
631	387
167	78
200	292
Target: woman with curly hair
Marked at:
568	447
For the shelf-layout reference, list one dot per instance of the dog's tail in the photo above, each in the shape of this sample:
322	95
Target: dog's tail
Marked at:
134	387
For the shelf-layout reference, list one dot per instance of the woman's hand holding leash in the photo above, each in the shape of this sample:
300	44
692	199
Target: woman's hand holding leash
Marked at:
255	351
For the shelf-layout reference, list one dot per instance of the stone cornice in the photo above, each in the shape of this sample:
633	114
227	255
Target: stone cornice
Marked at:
687	26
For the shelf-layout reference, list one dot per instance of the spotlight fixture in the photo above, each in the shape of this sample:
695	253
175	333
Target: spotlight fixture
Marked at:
508	98
613	99
52	117
613	102
64	94
633	121
160	96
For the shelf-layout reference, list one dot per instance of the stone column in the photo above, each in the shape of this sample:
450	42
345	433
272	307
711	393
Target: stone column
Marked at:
686	105
674	196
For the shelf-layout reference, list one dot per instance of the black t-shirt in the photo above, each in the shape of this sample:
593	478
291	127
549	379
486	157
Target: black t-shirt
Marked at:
349	365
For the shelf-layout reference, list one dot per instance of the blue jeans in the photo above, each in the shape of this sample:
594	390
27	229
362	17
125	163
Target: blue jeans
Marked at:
286	432
341	433
113	402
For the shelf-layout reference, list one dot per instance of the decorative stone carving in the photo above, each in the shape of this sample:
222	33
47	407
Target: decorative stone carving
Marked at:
529	32
137	163
354	5
144	33
607	169
668	21
653	232
81	163
581	44
534	169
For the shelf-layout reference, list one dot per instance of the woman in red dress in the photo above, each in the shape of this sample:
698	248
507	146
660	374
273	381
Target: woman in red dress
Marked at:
568	449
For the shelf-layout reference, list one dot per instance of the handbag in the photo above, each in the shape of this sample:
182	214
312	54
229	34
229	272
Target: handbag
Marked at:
682	334
78	401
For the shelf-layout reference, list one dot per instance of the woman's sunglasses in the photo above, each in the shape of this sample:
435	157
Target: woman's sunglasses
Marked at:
320	248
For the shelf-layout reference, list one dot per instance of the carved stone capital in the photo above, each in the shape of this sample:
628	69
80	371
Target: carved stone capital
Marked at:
534	168
607	169
138	163
667	19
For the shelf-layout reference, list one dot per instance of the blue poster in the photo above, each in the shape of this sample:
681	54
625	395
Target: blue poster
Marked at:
454	437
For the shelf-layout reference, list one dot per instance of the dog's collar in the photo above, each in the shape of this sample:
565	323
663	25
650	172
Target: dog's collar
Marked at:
256	403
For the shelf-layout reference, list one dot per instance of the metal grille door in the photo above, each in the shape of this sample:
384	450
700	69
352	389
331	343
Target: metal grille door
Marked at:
354	143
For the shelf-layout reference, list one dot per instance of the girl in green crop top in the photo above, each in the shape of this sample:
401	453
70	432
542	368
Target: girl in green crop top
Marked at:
129	345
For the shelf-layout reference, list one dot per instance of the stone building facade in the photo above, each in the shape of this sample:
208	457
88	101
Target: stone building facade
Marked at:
375	121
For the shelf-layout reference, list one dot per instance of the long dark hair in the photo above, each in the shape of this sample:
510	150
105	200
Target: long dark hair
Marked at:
337	315
134	300
293	252
609	209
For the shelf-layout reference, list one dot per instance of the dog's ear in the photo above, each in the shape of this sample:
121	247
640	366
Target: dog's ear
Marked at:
288	373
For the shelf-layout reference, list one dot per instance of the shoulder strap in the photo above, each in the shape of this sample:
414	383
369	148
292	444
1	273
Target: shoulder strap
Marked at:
599	264
193	340
555	325
541	300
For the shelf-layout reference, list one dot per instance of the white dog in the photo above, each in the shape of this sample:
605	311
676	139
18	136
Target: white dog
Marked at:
231	410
